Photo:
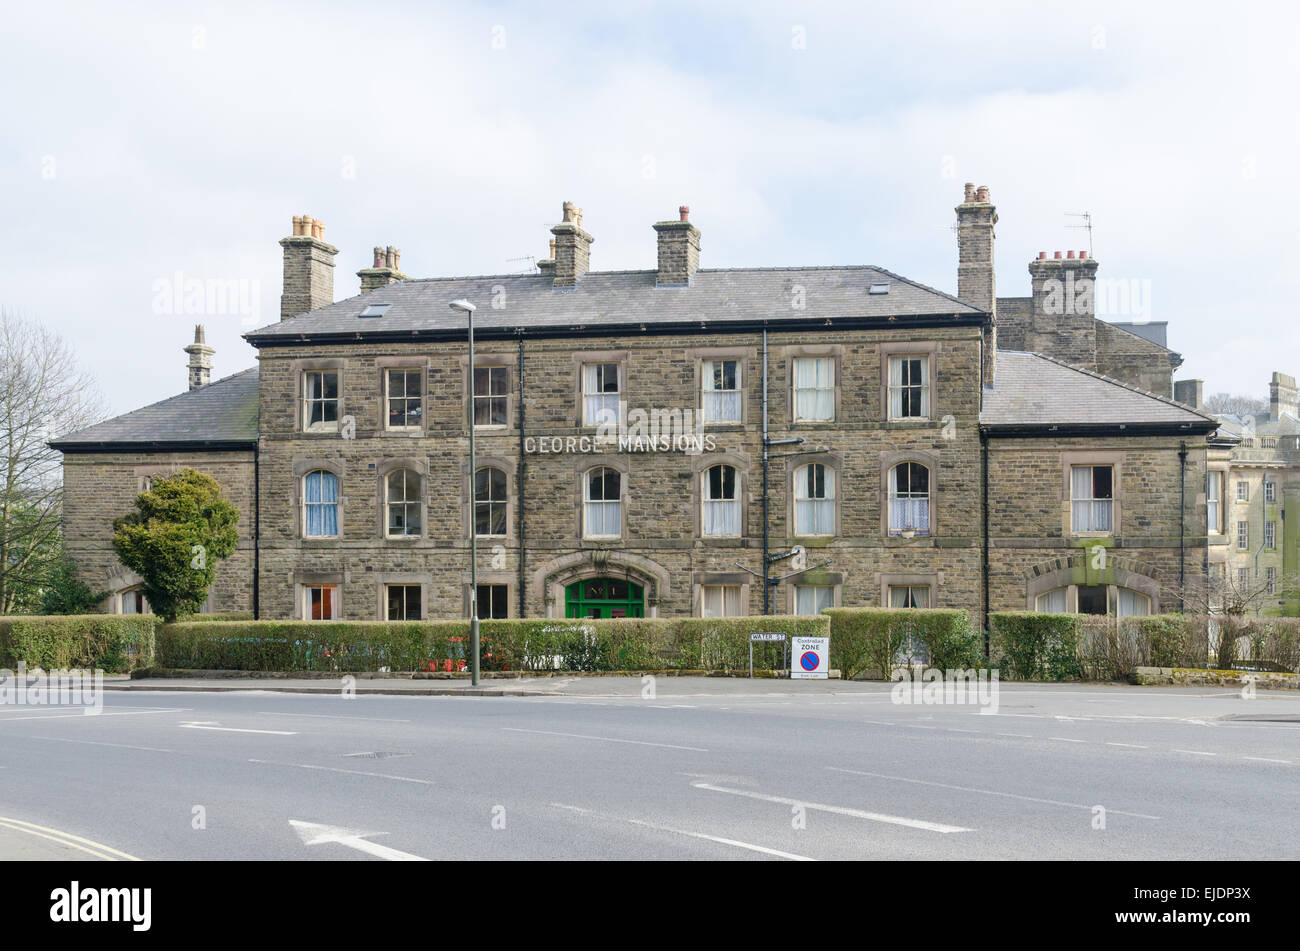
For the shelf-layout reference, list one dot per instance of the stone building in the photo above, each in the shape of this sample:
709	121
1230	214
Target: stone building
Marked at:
677	441
1254	478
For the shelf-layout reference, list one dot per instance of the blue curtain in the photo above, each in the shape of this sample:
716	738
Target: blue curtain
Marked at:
321	493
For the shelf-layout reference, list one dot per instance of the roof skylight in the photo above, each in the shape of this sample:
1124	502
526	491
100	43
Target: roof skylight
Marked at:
374	310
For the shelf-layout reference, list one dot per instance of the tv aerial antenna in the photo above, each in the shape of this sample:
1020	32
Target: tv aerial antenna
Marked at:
1086	226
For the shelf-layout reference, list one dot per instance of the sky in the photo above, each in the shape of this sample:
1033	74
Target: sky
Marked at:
144	146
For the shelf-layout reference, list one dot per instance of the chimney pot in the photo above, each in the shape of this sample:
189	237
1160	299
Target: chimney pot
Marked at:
1056	255
379	256
1082	255
982	193
1042	255
685	212
1069	255
970	191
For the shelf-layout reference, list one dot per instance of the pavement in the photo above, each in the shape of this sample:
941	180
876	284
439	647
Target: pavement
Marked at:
673	768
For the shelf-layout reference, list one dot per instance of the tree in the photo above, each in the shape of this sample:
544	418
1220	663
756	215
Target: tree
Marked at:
43	394
181	528
64	593
1234	403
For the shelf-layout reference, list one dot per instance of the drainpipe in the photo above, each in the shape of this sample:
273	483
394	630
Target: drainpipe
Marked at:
257	533
984	532
767	588
519	482
1182	525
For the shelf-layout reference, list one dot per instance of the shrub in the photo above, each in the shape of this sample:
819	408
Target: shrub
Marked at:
1033	646
530	644
879	639
111	642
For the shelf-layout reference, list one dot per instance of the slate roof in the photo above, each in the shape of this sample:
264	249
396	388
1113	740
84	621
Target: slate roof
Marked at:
221	414
623	299
1031	391
1261	424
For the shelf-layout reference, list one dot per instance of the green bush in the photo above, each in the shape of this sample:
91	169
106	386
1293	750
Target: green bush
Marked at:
624	644
879	639
112	642
1029	645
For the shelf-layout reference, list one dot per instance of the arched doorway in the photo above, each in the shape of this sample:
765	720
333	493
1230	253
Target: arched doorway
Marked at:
604	598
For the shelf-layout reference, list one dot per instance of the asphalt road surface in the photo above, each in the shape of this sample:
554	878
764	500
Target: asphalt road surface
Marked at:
707	769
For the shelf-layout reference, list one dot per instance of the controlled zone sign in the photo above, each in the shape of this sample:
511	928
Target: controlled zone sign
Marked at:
810	658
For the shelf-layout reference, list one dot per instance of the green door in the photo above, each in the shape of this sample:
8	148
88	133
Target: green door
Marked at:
604	597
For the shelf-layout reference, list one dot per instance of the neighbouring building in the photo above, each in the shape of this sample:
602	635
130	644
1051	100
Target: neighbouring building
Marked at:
677	441
1253	480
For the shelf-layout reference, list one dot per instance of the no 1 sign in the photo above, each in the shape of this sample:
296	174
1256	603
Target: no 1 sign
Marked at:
809	658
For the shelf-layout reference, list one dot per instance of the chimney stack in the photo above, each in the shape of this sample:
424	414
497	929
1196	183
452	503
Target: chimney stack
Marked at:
1282	397
1190	393
1063	321
976	218
547	265
308	268
679	250
572	248
387	269
200	365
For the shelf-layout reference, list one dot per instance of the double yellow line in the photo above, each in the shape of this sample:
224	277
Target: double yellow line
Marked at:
89	846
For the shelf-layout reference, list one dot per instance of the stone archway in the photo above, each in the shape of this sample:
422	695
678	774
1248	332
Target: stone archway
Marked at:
1074	570
550	580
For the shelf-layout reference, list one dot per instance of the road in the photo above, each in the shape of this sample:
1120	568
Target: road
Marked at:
707	769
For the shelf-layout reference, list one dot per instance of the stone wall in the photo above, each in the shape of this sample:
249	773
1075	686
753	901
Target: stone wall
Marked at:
100	487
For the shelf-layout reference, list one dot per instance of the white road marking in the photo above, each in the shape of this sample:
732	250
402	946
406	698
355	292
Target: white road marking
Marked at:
313	833
987	792
1195	752
838	810
97	849
93	716
1023	736
354	772
120	746
1132	746
607	739
694	835
1066	739
212	725
328	716
1265	759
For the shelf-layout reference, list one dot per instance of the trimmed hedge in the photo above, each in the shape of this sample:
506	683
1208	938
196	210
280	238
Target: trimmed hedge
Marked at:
1029	645
114	643
530	644
880	639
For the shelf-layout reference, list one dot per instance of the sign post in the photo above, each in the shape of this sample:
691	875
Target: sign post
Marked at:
810	658
764	636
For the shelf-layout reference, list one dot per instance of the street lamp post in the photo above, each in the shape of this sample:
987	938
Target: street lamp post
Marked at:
467	309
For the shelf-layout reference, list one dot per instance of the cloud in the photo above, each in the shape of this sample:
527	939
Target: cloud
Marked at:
184	138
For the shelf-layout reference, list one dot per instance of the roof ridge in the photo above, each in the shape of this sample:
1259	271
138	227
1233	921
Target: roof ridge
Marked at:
1119	383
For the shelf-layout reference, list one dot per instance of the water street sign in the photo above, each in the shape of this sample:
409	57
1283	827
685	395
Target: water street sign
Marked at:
760	637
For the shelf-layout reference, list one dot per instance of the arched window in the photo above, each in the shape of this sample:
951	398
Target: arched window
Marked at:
320	493
603	506
909	499
403	503
489	501
1051	602
133	601
814	500
720	502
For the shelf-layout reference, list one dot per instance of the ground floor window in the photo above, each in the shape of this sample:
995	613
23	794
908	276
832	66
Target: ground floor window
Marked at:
403	602
909	595
320	602
133	601
604	598
493	601
812	598
720	600
1051	602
